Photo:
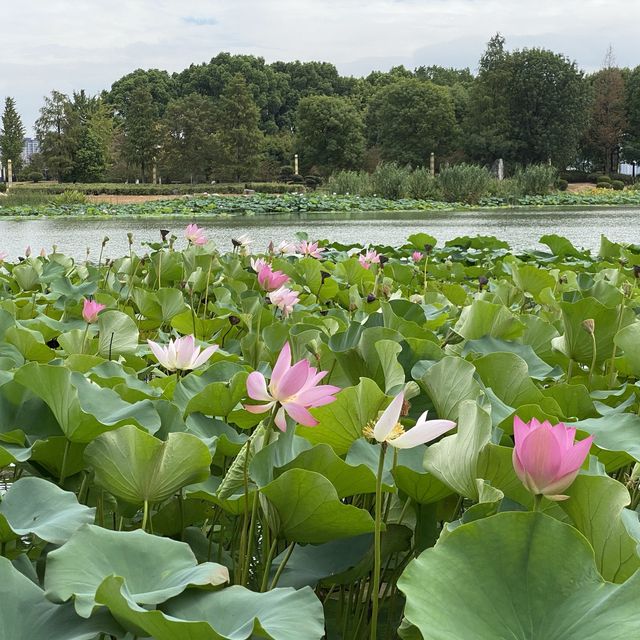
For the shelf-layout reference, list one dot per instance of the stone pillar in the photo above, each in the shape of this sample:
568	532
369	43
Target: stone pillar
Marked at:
500	169
295	164
155	171
432	163
9	171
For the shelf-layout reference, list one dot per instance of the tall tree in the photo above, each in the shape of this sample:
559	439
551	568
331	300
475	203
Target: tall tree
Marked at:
51	132
547	100
329	133
140	126
607	117
11	135
238	138
187	133
410	118
486	125
527	106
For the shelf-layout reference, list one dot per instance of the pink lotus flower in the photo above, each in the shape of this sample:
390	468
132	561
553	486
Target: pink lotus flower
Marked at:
90	310
369	258
389	430
310	249
293	388
181	354
416	256
268	279
3	256
195	235
285	299
546	458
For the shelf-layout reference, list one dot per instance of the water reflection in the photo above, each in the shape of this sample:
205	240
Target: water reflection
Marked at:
521	229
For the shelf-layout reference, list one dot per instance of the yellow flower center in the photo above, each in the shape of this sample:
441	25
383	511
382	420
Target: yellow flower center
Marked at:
396	432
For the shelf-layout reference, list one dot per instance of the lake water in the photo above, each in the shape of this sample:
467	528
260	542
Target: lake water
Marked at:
521	229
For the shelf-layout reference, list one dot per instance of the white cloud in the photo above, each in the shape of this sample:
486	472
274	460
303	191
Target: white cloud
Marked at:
74	44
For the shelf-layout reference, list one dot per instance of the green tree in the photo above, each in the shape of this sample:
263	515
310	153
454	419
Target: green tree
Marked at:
486	125
140	126
51	132
631	147
188	137
329	133
238	138
11	135
409	119
526	106
547	100
267	86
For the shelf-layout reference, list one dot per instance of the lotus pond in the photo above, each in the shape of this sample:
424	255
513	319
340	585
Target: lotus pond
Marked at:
73	235
206	445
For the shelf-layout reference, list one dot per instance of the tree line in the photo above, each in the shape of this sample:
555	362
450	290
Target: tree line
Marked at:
238	118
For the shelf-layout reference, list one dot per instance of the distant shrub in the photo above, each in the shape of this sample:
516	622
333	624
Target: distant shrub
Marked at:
618	185
352	182
35	176
464	183
604	185
573	175
536	179
593	177
71	196
421	185
623	177
562	185
388	180
312	181
603	179
3	187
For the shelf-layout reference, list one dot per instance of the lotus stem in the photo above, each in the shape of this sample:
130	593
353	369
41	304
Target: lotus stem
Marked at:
145	515
267	564
84	338
537	502
377	560
612	362
281	566
63	468
593	359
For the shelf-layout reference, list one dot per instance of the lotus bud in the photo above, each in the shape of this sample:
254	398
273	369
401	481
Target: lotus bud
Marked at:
130	238
483	281
104	241
371	298
27	251
589	325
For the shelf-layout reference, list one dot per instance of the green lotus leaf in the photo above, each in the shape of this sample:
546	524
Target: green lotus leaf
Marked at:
596	505
36	506
137	467
524	576
310	511
153	568
484	318
28	615
449	383
118	334
234	613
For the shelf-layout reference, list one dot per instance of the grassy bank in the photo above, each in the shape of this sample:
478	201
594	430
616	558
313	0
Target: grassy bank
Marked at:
264	204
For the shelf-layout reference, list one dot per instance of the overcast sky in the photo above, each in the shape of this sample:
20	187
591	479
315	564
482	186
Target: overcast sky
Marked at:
88	44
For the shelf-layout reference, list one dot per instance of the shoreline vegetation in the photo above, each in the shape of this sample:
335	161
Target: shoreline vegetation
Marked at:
75	204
